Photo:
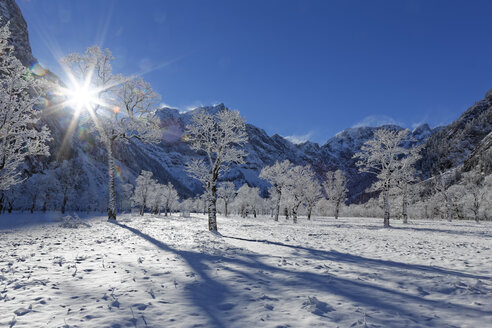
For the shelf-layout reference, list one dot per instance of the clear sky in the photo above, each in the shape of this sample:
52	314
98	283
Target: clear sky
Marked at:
296	68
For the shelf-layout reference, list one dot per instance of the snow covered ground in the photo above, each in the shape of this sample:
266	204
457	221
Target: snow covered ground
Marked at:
172	272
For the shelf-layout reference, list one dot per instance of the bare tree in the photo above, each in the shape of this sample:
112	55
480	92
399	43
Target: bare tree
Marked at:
20	133
381	156
226	192
336	189
441	186
121	110
220	137
278	176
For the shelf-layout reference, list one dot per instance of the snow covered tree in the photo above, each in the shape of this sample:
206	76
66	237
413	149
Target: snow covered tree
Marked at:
32	188
382	156
221	137
121	108
336	189
49	186
155	197
247	200
300	177
441	186
312	195
170	197
405	176
474	184
226	192
278	176
143	189
68	175
125	194
20	133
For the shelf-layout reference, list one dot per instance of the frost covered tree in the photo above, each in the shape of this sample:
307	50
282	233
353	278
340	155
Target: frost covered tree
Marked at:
441	186
336	189
381	156
221	137
121	108
32	189
226	192
247	200
312	195
143	189
155	197
474	184
49	186
405	175
20	132
125	195
278	176
170	197
68	175
296	191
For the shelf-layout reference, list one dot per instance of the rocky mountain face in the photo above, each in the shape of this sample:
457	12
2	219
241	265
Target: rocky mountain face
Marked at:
10	12
462	142
465	140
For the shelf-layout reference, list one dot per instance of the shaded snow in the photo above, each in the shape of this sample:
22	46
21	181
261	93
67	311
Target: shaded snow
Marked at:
171	272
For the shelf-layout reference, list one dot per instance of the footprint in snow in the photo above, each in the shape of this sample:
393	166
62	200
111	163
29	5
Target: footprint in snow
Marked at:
22	311
316	306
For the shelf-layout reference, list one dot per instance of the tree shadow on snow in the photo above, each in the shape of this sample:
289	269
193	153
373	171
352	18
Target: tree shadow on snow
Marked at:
212	295
365	261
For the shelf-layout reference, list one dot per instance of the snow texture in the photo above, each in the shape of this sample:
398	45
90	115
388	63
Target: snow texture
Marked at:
156	271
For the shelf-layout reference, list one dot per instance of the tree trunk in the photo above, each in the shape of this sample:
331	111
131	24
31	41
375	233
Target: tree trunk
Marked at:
294	215
337	208
386	208
309	213
277	206
64	204
142	208
448	208
11	207
225	209
33	205
212	207
111	191
404	214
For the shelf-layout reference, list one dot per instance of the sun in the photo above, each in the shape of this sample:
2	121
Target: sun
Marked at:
81	97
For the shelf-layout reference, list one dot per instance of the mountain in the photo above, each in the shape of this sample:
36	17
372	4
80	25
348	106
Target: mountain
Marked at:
461	143
10	12
457	143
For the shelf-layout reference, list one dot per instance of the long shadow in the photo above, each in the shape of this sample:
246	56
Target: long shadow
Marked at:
348	225
452	232
360	260
205	296
388	300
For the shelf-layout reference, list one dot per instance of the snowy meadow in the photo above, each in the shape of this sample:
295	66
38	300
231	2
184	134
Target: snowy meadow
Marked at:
214	222
157	271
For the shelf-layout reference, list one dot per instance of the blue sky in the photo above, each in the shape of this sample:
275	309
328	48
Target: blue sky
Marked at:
297	68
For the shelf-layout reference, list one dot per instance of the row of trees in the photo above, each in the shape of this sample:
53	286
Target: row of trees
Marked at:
121	109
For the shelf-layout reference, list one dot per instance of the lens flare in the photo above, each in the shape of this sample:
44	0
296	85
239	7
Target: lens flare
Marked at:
38	69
